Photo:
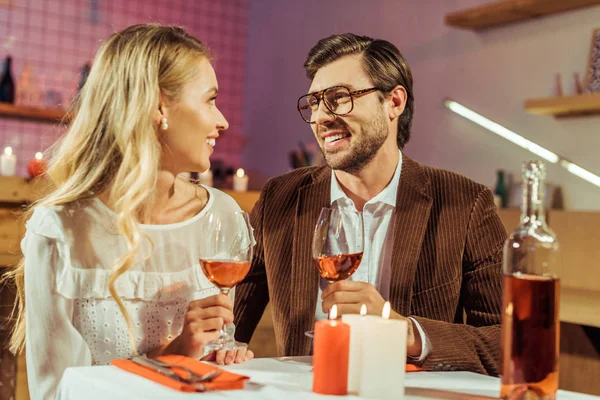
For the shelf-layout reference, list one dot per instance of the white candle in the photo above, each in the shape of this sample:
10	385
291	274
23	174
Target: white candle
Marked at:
384	357
240	181
357	326
206	178
8	162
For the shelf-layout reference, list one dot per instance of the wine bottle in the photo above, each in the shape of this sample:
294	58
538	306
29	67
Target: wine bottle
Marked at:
530	321
7	84
501	190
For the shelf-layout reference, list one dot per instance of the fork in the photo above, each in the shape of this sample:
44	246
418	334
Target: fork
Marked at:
192	376
145	362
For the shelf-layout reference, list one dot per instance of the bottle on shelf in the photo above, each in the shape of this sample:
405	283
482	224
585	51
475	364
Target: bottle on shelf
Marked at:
39	97
53	95
530	320
27	93
24	87
501	189
7	84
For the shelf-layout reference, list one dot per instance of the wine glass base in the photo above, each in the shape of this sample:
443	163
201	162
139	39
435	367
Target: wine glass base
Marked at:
223	345
310	334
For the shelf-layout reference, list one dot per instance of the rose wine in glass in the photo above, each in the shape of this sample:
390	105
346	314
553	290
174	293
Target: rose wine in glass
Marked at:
225	274
338	267
337	246
225	254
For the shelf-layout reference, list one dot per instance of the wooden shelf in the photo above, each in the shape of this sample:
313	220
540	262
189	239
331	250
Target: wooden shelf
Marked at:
511	11
18	190
565	106
31	113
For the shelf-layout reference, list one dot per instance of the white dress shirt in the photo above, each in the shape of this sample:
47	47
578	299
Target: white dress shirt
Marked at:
378	233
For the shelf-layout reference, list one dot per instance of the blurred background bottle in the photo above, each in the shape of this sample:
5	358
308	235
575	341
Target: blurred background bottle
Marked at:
501	190
530	323
7	84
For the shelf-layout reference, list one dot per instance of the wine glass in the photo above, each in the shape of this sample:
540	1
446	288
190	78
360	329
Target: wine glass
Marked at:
337	247
225	254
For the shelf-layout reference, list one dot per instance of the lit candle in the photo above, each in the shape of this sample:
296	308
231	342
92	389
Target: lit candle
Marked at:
330	360
357	326
384	357
240	181
37	166
206	178
8	162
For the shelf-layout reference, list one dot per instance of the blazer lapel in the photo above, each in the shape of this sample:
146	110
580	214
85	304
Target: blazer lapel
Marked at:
413	205
305	278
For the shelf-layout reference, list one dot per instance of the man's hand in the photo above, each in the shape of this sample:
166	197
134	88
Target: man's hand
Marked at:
349	296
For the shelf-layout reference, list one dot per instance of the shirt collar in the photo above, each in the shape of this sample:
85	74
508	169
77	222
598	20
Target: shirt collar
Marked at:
387	195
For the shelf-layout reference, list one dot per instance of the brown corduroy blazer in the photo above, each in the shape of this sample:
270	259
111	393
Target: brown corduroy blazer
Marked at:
445	268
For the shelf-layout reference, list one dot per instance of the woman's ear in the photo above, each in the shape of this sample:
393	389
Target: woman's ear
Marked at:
397	97
161	111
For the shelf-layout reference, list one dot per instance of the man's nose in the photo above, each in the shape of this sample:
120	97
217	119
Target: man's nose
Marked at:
322	114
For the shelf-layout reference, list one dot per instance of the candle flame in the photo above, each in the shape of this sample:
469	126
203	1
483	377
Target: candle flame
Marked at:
363	310
8	151
240	173
386	310
39	155
333	312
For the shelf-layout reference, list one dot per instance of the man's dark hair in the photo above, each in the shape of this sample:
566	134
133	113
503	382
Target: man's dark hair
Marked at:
382	61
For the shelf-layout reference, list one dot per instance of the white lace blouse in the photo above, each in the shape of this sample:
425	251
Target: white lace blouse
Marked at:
71	318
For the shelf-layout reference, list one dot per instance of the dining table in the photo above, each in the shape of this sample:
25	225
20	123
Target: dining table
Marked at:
283	378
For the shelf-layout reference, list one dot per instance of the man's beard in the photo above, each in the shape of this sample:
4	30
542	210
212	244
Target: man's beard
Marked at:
363	147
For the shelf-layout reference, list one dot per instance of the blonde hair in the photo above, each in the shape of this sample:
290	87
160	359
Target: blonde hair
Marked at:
112	147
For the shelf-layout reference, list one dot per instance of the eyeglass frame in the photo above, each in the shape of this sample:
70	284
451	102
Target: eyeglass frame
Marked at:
319	95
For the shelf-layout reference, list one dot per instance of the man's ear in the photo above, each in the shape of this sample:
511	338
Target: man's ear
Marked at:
397	102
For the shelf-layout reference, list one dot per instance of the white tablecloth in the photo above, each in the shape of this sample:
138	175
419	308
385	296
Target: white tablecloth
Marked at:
277	379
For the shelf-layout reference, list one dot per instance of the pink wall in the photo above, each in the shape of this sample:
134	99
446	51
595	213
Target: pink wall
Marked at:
57	37
492	71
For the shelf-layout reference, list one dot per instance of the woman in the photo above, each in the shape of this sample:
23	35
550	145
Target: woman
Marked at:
109	267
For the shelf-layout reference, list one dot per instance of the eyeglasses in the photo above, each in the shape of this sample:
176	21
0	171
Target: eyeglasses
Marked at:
338	99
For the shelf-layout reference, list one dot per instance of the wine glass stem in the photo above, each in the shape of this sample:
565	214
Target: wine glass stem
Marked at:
224	336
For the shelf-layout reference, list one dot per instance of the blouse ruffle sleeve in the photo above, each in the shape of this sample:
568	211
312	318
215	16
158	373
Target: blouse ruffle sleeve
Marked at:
52	342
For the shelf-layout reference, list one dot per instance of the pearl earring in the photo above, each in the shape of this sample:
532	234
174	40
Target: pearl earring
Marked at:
163	124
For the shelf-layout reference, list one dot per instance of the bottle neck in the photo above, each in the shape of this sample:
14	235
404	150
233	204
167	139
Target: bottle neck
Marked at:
532	209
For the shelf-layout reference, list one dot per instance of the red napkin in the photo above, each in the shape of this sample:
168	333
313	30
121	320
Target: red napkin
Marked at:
412	368
224	381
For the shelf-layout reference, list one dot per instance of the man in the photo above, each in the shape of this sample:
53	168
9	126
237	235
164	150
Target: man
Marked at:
433	239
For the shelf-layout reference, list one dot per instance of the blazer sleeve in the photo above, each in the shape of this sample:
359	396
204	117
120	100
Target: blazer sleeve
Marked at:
474	346
252	294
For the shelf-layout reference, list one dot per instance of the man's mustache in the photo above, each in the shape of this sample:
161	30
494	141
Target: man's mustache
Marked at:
334	126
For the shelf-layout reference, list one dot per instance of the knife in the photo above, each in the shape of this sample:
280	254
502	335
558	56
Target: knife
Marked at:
165	371
144	362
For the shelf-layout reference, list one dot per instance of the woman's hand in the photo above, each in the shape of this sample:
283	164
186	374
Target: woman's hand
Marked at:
226	357
202	323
